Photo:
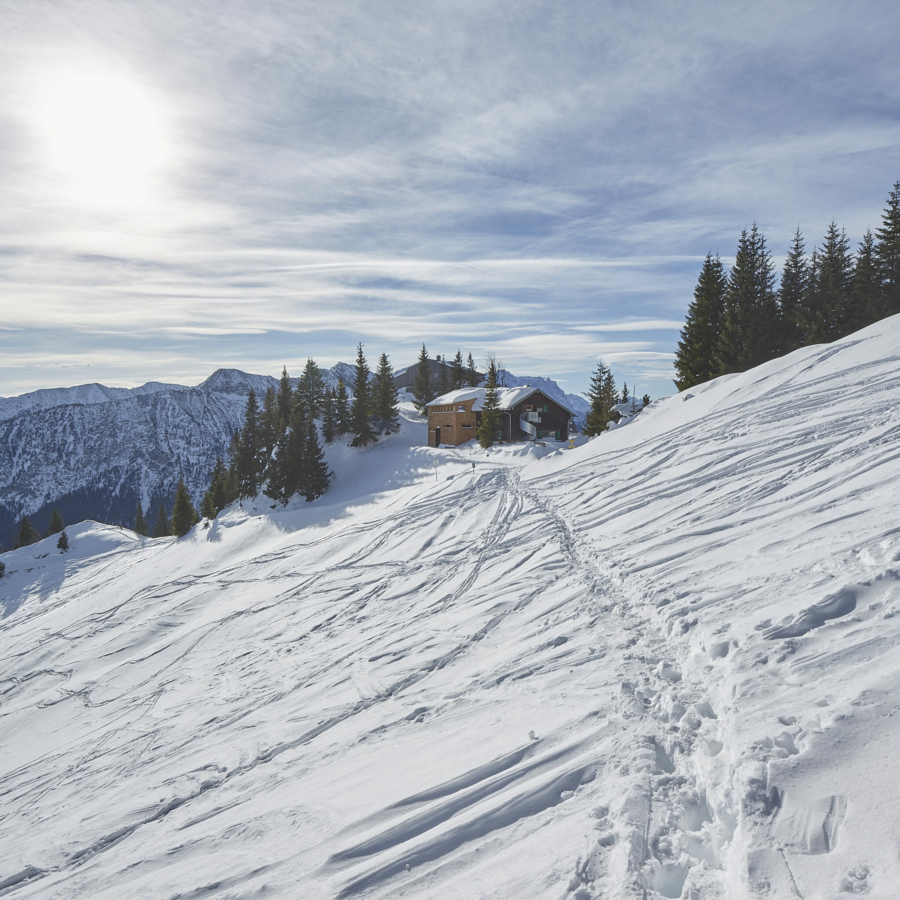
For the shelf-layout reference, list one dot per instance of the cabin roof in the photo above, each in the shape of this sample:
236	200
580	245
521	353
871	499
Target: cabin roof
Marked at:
509	397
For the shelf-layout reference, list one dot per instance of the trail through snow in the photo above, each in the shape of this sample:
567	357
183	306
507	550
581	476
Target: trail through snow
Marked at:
662	664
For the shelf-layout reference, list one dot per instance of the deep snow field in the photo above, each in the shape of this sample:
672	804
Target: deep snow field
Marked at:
663	663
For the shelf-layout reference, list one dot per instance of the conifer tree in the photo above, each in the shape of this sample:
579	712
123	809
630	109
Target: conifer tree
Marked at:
699	338
342	408
887	254
792	297
281	479
56	523
184	516
268	423
645	401
458	378
625	395
316	474
749	332
312	388
361	411
63	543
284	400
598	415
329	417
830	284
443	384
472	372
250	460
26	535
216	497
865	293
489	424
2	569
140	523
161	529
386	398
423	392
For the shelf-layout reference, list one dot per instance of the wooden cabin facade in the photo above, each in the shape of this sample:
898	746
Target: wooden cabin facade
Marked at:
526	414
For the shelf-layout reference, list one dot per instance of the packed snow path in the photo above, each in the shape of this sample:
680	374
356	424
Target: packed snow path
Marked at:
662	664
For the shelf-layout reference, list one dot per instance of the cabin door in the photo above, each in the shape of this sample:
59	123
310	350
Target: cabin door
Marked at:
437	437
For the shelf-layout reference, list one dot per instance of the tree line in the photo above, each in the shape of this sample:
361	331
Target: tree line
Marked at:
605	398
740	319
451	377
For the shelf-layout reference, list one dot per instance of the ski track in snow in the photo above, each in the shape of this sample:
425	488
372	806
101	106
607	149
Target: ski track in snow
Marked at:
659	665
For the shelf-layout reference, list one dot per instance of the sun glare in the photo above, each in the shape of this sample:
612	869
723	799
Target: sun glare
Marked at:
104	138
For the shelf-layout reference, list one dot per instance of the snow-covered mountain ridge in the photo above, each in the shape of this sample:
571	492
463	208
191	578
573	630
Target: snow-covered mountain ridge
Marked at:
95	451
662	664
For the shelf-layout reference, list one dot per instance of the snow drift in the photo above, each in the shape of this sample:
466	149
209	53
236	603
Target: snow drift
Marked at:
661	664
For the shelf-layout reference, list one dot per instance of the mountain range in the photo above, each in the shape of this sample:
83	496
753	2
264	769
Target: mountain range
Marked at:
95	452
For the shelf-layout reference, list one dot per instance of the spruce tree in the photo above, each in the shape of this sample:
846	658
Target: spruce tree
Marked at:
489	424
361	411
312	388
140	523
831	281
284	400
63	543
458	378
26	535
2	569
281	474
161	529
472	372
329	417
316	474
887	255
184	516
342	408
216	497
598	415
386	398
749	332
865	293
423	393
694	358
250	461
645	401
56	523
443	384
268	423
625	395
792	296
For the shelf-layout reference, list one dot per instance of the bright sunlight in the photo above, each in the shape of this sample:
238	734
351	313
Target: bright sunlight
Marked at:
104	137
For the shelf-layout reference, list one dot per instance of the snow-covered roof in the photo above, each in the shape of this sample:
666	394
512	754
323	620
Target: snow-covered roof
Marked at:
509	397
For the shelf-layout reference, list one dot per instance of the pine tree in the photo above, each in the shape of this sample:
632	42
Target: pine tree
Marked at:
342	408
268	423
2	569
56	523
625	395
748	335
250	462
329	417
63	543
26	535
361	411
281	481
830	284
887	255
284	400
140	523
598	415
161	529
694	358
386	398
645	401
216	497
423	392
316	474
458	378
312	388
443	384
865	293
472	372
184	516
489	424
792	296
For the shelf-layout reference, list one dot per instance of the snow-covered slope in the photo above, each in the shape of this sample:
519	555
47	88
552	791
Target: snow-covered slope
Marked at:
662	664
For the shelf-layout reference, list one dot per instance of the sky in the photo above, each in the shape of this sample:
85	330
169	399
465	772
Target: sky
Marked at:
192	185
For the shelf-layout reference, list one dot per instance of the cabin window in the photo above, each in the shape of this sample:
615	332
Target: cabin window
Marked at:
545	407
529	408
467	426
461	408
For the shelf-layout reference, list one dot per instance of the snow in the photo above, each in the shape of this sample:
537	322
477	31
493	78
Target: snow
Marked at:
660	664
507	397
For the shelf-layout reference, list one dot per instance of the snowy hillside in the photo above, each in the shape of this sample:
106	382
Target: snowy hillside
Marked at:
662	664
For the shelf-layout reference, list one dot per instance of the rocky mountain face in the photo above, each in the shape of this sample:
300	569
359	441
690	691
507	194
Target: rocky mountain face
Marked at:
95	452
